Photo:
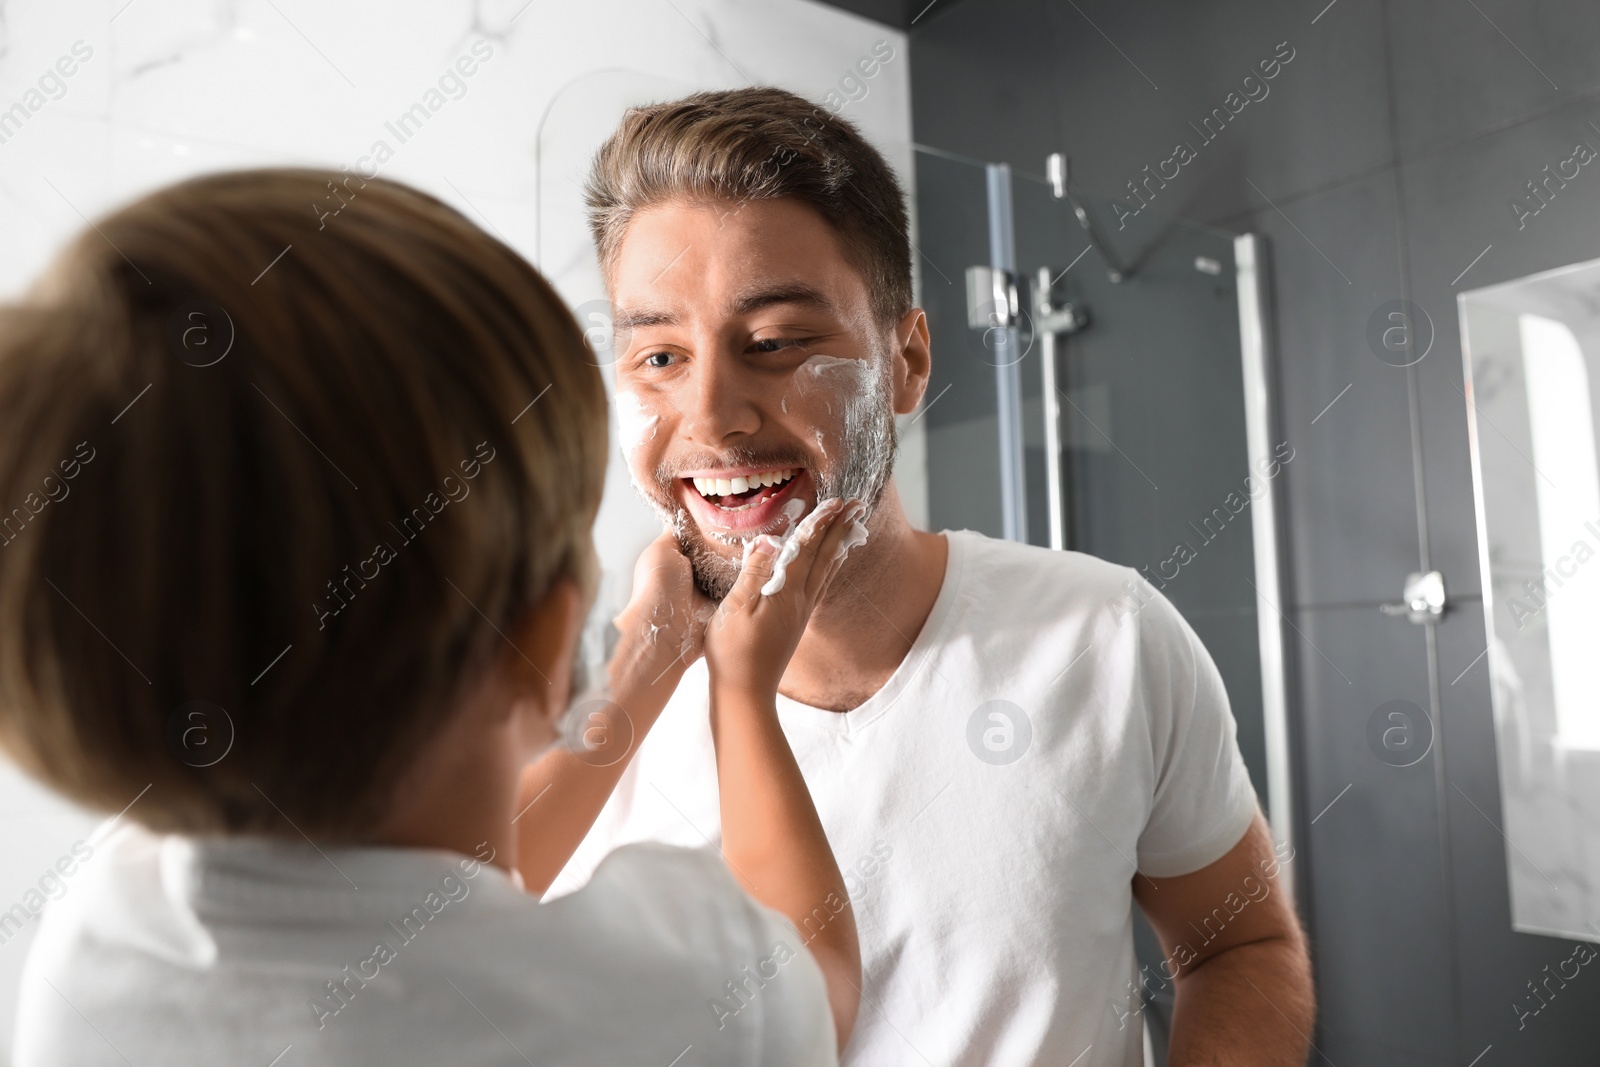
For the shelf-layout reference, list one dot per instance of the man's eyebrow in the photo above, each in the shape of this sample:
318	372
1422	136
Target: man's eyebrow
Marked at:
634	318
795	293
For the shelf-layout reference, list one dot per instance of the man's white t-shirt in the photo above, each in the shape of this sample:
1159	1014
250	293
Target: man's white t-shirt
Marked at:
1044	734
204	952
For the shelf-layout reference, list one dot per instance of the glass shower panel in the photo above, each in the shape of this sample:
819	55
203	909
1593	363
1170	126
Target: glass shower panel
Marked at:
1155	463
961	410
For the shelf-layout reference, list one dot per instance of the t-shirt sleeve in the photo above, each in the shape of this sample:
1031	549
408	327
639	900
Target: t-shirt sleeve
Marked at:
1203	800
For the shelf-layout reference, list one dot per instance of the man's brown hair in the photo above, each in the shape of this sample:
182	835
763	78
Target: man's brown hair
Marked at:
759	143
271	473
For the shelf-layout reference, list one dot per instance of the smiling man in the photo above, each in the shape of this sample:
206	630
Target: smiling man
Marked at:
1004	765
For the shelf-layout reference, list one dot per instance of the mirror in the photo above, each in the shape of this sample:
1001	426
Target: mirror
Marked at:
1532	352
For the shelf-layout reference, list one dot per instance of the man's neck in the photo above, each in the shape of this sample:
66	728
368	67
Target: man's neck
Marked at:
873	612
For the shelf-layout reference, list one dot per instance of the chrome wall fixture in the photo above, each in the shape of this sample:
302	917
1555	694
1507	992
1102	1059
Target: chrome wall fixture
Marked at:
1003	340
1424	598
1052	320
1059	172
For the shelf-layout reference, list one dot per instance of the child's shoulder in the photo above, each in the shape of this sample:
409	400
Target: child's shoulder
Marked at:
666	912
652	887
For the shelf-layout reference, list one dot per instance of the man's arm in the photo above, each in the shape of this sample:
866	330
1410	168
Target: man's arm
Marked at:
1244	997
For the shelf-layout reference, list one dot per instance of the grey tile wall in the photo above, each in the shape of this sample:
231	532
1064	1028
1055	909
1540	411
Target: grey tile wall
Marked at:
1369	850
1140	74
1461	69
1350	490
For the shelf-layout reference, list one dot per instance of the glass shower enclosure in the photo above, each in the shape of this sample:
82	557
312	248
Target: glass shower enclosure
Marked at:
1101	384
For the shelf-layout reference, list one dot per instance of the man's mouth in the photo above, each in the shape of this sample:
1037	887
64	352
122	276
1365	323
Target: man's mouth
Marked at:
744	491
744	502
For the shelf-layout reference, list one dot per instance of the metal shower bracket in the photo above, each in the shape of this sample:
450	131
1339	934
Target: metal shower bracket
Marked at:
1059	172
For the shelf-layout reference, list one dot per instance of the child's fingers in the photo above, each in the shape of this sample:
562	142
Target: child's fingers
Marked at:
811	534
829	551
759	562
803	549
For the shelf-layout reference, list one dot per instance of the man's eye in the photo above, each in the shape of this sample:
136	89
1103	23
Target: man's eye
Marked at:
775	344
658	360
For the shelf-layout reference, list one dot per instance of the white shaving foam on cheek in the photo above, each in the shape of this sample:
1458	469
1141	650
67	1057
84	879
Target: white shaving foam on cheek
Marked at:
862	432
634	422
856	399
850	377
819	364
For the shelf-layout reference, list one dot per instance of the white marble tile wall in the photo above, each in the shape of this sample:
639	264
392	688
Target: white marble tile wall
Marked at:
101	100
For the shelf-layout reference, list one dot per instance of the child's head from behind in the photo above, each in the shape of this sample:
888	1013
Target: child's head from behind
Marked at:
269	482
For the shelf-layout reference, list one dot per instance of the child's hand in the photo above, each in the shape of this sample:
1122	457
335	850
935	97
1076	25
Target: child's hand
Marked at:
771	835
753	633
665	619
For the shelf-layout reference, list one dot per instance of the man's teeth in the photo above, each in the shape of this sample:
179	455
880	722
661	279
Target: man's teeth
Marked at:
709	487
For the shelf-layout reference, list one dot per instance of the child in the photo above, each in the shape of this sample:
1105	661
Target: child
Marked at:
296	553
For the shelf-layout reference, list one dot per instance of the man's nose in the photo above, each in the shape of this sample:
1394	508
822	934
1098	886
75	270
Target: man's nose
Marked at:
722	407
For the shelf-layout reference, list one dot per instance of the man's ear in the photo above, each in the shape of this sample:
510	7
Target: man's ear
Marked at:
913	361
544	643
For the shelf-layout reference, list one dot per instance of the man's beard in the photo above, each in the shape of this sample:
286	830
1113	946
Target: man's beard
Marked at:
862	473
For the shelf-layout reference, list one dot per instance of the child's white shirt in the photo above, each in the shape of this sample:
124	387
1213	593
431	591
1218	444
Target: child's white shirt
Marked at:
178	951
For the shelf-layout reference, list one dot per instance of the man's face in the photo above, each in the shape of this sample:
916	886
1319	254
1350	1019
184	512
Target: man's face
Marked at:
752	378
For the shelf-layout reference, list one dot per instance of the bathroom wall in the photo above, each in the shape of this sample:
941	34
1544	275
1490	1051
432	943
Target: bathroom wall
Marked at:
1382	159
162	89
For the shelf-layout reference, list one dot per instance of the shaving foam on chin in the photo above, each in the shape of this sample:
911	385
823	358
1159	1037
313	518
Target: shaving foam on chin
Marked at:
791	546
855	535
791	511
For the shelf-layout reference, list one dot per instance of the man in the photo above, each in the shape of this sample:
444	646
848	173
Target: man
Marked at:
1004	754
